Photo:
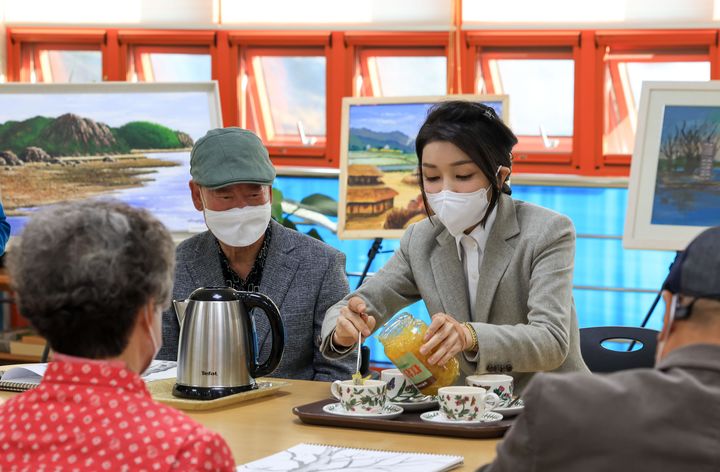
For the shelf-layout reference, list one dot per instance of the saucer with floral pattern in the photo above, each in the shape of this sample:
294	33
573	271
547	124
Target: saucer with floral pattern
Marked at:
489	417
389	411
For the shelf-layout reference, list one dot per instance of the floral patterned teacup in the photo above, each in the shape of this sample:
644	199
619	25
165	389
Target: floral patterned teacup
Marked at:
501	385
399	387
369	397
460	403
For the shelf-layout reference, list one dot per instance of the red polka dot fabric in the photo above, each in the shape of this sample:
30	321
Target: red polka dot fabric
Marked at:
91	415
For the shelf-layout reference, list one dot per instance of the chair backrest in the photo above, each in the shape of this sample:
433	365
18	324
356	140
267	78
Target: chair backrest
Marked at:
600	359
365	360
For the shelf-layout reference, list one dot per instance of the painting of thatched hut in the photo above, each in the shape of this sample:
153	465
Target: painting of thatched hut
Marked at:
370	201
367	195
363	174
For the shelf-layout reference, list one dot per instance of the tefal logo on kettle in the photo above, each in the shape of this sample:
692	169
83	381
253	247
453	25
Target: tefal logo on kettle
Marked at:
209	372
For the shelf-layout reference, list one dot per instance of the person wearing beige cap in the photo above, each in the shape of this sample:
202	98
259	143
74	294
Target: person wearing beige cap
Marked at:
244	248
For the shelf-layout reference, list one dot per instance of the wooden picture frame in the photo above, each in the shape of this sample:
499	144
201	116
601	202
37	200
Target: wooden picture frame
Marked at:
378	164
674	187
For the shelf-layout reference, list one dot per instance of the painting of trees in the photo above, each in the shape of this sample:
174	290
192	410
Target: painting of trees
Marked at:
682	149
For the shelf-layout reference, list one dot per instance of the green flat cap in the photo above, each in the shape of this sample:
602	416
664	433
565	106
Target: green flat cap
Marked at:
226	156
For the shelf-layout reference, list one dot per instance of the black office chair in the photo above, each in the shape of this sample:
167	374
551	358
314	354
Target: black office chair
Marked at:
600	359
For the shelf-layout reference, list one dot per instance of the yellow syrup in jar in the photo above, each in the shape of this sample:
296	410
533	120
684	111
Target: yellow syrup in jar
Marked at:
402	338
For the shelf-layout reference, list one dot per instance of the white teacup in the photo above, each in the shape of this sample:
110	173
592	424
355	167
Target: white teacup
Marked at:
399	387
370	397
459	403
499	384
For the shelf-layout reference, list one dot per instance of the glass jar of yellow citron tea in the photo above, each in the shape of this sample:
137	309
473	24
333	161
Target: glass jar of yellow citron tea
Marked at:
402	337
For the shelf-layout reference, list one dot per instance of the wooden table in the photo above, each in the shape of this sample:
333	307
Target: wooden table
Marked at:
267	425
262	427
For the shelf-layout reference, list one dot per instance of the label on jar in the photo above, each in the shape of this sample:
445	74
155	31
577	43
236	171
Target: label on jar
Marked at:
415	370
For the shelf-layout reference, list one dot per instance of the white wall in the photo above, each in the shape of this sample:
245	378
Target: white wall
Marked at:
551	14
246	14
151	13
363	14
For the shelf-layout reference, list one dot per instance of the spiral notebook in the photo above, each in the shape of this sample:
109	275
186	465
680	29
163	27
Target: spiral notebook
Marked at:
320	457
19	379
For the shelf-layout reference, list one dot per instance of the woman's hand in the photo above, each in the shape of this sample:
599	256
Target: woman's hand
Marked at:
445	337
353	320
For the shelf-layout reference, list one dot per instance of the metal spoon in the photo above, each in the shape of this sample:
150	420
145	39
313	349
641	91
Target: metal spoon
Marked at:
357	378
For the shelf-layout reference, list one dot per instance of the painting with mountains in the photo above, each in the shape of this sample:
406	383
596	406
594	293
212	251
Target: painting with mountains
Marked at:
380	193
126	141
41	138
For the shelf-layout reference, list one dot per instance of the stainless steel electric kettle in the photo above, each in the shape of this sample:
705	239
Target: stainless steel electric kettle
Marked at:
217	352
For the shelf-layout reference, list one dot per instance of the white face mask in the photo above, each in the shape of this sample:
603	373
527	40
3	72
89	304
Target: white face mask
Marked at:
149	317
238	227
459	211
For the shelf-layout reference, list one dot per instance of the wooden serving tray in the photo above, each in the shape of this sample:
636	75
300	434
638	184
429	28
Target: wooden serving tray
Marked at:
408	422
161	391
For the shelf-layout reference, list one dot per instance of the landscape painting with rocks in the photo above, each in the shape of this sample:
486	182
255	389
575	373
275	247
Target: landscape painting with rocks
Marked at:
134	147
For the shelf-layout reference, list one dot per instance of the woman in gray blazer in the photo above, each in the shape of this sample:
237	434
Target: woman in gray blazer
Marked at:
495	273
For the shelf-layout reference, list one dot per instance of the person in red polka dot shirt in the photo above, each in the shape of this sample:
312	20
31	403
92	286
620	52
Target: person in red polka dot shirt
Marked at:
93	279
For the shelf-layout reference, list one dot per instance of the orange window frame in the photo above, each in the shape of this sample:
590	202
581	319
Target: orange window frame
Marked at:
482	46
326	151
42	69
134	43
365	69
137	57
685	46
257	107
363	44
55	39
565	145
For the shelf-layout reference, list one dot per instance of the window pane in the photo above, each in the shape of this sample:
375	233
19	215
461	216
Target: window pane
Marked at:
408	76
70	66
623	84
164	67
541	95
295	90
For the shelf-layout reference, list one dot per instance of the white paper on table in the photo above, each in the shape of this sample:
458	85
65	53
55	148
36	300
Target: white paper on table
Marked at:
160	370
319	457
31	373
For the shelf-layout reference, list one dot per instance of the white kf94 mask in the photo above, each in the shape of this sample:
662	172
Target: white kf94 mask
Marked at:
238	227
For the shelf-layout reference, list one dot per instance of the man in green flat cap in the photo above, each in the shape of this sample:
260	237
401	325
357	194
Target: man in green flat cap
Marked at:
245	249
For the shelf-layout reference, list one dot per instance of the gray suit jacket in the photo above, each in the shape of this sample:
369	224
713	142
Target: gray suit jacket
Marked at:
524	314
664	419
302	275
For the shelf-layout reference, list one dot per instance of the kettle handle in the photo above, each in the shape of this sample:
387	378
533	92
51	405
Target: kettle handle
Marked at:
257	300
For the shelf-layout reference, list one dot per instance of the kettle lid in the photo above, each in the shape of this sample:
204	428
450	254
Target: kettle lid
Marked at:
214	294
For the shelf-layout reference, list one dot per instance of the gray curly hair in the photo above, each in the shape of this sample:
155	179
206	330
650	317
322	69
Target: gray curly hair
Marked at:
83	270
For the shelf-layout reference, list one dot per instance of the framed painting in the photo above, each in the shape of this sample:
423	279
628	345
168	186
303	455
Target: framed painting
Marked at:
129	141
379	191
674	190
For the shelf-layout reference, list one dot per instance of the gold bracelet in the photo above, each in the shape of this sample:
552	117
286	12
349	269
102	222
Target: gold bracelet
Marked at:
473	335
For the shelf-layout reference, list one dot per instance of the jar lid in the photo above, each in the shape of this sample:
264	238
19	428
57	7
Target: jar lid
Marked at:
393	327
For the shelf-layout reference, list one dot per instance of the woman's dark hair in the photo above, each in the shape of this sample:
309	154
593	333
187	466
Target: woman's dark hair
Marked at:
83	270
477	131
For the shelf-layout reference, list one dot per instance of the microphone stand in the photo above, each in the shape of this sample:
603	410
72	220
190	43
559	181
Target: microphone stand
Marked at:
372	253
652	307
